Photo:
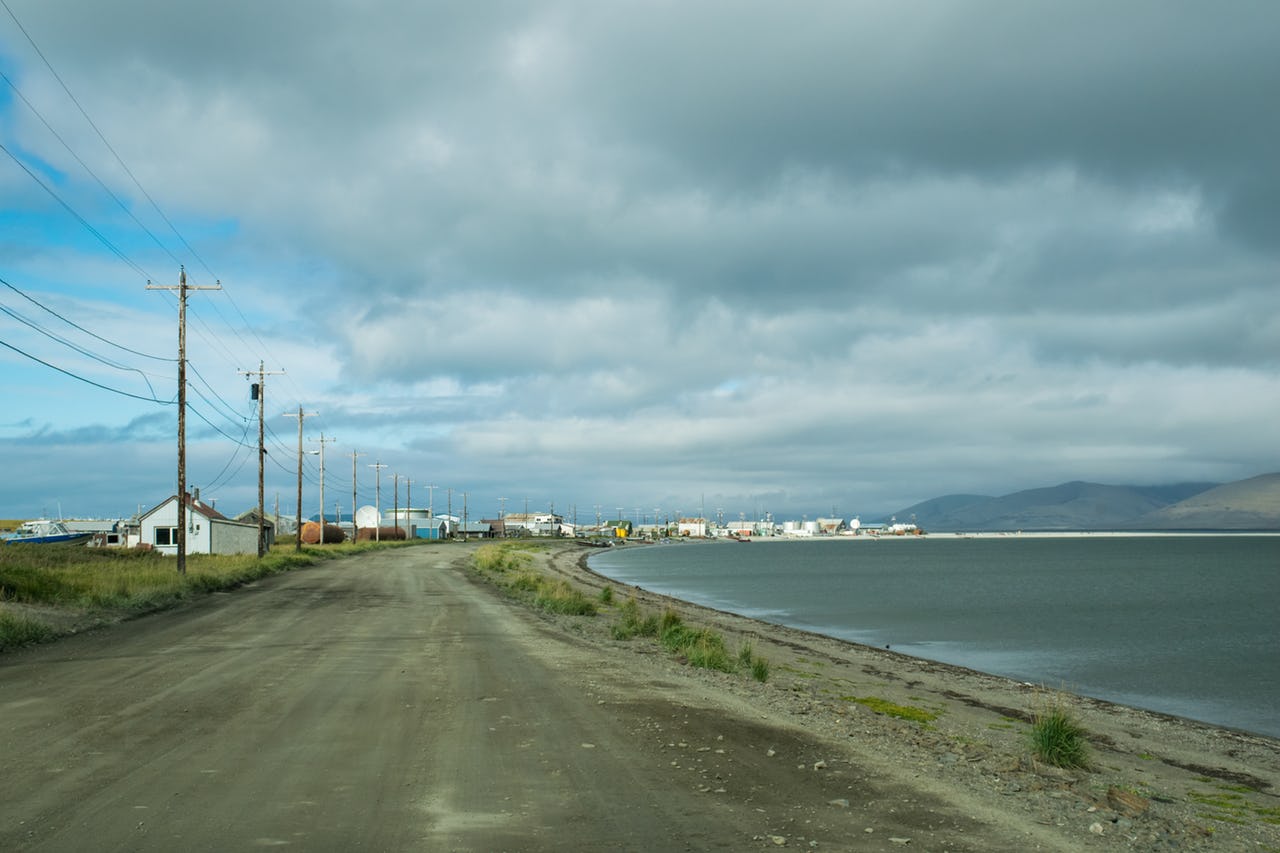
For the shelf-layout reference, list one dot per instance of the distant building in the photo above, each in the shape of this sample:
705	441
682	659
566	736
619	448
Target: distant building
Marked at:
533	524
434	527
619	529
476	530
694	527
250	516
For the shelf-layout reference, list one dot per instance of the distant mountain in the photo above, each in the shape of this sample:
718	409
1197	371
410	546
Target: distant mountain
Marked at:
938	508
1069	506
1252	504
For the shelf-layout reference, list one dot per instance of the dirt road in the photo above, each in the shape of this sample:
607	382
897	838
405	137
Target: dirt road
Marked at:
391	702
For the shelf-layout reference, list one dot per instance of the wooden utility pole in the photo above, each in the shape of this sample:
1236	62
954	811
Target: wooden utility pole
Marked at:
182	288
300	415
322	441
259	393
354	529
377	498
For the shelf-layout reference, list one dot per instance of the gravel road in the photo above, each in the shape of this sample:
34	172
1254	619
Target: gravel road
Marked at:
393	702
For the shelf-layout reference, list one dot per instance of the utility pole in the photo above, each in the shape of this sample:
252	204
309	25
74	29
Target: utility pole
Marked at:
431	499
322	441
465	495
377	498
259	393
502	508
297	539
182	288
409	530
354	529
395	513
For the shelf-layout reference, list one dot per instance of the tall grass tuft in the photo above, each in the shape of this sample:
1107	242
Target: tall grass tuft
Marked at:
701	647
633	623
1056	737
17	630
563	597
760	670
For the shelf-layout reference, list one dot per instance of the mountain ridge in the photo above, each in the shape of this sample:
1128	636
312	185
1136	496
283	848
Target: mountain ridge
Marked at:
1250	504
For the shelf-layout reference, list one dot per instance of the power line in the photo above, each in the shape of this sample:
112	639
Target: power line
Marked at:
86	353
85	166
66	206
96	130
77	326
82	378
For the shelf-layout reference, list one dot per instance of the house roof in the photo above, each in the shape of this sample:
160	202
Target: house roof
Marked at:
197	507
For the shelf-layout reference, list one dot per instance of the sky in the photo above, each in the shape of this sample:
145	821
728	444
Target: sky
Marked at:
650	258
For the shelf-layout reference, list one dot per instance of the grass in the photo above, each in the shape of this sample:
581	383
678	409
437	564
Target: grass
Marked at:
891	709
17	630
73	577
633	623
1229	805
510	566
700	647
1056	737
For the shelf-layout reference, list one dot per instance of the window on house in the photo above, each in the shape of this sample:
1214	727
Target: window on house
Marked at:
166	536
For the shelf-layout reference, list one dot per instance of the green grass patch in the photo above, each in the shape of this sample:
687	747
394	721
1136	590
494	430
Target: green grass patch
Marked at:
1056	737
17	630
760	669
700	647
498	559
510	566
562	597
130	581
632	622
1230	806
891	709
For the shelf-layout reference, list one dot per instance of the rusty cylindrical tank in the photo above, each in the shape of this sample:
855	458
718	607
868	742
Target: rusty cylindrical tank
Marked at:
332	534
384	534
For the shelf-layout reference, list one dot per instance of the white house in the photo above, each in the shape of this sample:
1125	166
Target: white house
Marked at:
536	523
208	531
696	527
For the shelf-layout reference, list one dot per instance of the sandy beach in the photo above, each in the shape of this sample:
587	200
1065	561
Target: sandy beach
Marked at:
1154	781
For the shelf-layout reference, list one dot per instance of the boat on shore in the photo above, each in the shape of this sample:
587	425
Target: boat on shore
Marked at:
44	531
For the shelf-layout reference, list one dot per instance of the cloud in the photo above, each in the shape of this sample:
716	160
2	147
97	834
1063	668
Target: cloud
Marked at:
845	254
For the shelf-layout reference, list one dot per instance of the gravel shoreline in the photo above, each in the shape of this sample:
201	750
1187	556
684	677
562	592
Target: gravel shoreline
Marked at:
1155	781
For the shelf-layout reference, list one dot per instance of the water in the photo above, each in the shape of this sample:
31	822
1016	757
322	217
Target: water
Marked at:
1187	625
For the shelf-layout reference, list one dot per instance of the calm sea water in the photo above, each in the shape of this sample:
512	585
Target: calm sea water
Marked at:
1187	625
